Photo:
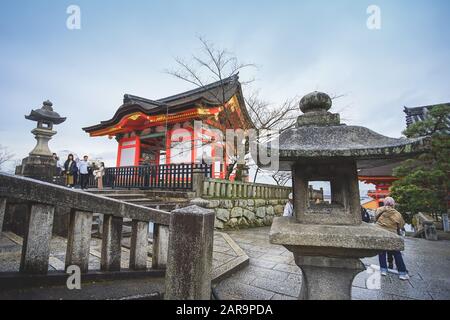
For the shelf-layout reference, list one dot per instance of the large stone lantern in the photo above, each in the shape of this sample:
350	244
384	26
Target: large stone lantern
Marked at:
40	163
328	239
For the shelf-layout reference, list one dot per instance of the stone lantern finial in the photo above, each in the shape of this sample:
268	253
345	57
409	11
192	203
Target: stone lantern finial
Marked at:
316	102
316	106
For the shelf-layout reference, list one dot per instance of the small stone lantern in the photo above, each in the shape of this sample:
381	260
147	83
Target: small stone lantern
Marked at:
328	239
40	163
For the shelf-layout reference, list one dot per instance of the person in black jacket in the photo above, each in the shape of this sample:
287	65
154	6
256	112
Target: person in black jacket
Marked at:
365	215
70	170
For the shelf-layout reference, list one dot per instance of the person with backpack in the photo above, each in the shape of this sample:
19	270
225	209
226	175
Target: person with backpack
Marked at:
391	220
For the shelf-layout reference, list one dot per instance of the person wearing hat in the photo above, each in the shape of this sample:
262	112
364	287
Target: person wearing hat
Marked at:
289	208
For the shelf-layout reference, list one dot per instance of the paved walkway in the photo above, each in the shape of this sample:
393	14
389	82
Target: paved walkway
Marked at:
272	273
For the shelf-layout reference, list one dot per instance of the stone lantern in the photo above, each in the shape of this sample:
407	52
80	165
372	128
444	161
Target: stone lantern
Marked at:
328	239
40	163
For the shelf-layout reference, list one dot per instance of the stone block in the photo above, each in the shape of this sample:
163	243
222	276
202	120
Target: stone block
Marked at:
213	204
250	202
261	212
222	214
236	212
241	203
232	223
219	224
260	203
268	220
228	204
270	211
279	209
243	223
259	222
249	215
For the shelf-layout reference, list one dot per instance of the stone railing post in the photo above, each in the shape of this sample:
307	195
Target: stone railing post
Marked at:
211	188
139	244
445	224
111	243
36	242
2	212
160	246
230	188
188	275
198	178
79	240
218	189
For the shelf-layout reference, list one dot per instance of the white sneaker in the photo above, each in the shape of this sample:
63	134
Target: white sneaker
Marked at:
383	273
404	277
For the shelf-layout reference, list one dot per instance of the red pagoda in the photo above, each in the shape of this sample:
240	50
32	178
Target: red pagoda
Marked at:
382	177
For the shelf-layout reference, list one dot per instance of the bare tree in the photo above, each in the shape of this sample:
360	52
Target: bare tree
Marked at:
212	65
5	155
267	119
215	65
282	177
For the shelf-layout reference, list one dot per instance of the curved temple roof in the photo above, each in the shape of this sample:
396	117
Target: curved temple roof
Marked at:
209	95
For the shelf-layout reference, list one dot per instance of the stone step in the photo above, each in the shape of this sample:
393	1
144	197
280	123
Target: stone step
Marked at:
148	193
167	206
124	196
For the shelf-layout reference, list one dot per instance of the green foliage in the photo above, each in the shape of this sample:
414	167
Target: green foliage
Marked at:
425	180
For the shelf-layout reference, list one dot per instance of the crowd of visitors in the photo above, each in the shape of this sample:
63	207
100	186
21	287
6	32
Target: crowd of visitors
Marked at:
78	172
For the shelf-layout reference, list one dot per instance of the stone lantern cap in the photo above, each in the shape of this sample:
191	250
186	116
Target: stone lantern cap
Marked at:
46	113
320	135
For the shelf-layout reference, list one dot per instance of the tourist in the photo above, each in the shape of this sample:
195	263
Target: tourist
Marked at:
289	208
390	219
83	167
70	170
59	168
365	215
99	174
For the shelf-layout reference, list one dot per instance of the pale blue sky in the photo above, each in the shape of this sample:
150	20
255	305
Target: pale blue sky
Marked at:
299	46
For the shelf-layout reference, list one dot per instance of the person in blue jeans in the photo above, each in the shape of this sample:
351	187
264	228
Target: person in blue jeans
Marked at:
390	219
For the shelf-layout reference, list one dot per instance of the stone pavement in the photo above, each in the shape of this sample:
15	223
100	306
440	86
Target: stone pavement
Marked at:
272	273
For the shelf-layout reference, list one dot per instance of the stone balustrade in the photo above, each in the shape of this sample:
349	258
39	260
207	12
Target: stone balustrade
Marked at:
214	188
45	201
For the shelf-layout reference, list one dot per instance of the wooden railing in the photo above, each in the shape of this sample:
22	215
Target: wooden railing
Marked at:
213	188
171	177
45	200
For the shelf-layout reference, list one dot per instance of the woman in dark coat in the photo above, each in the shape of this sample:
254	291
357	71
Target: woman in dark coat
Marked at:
70	170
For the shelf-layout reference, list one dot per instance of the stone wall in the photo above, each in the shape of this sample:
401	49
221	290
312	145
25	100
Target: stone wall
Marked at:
245	213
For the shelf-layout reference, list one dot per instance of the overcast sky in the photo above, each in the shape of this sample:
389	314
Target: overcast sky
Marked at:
299	46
